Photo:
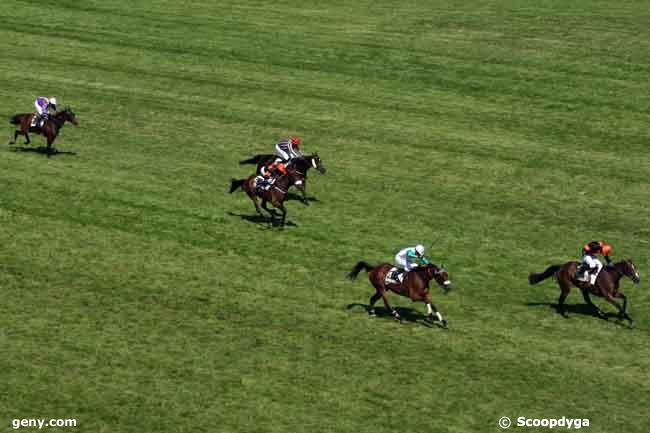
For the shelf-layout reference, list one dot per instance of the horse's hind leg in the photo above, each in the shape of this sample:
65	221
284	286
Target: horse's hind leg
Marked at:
561	307
371	306
384	295
16	134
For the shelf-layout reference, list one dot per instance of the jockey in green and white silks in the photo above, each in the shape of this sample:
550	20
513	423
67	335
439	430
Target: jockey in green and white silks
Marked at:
410	258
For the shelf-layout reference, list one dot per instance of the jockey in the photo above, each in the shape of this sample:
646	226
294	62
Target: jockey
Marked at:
271	172
287	149
408	258
591	266
43	106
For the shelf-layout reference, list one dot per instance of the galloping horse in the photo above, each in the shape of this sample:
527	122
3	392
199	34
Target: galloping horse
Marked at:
50	129
275	194
606	285
300	164
414	286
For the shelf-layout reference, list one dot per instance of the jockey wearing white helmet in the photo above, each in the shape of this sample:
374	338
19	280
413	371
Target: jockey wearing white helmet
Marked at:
408	258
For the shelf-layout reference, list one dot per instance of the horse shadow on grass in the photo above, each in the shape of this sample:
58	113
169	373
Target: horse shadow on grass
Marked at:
408	315
261	220
580	309
297	197
42	150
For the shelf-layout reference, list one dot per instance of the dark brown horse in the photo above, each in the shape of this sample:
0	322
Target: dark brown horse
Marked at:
51	127
301	165
415	286
606	285
274	195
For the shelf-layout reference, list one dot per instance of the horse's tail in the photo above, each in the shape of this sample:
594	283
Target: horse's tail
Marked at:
549	272
235	184
254	160
359	266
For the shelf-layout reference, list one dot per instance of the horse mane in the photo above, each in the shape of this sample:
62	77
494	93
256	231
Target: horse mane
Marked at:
425	270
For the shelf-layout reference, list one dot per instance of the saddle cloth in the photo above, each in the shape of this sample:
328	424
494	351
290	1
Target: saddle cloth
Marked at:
389	274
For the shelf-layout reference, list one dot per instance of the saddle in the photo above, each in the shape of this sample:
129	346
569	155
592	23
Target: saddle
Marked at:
580	282
392	276
263	183
37	122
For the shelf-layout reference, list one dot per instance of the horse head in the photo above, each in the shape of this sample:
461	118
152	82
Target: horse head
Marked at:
317	163
68	116
440	275
627	268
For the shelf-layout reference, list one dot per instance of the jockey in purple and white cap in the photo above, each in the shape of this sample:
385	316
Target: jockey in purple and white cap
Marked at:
43	105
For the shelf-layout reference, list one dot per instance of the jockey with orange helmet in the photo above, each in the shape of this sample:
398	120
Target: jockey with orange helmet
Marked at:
591	266
270	173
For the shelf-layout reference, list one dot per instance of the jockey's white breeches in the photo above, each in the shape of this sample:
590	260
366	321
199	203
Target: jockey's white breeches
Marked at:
594	266
592	262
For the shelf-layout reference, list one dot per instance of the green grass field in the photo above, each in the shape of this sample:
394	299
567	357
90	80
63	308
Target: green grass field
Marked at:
138	297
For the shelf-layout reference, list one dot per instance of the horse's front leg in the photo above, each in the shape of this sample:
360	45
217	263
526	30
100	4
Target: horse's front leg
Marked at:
599	312
50	141
284	214
270	211
622	311
624	298
433	313
303	189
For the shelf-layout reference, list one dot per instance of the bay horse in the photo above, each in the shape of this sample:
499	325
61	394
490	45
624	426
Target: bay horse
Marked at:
275	194
301	164
607	284
50	129
415	286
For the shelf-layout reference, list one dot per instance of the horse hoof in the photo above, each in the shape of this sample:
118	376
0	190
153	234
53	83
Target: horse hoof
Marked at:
565	315
444	324
371	312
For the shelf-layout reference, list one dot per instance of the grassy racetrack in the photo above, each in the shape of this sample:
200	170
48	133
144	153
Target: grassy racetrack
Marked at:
137	295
